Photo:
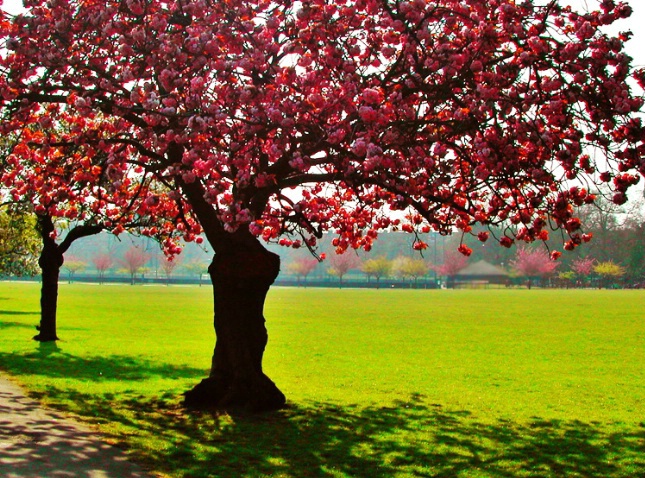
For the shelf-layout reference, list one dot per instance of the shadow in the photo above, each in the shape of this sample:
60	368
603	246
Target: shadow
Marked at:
34	442
50	361
17	312
7	324
411	438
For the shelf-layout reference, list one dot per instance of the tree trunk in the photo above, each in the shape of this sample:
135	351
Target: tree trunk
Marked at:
50	262
241	274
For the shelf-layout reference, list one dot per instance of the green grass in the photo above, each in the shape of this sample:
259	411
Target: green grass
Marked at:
395	383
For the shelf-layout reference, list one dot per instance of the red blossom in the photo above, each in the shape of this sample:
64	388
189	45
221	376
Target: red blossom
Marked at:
469	113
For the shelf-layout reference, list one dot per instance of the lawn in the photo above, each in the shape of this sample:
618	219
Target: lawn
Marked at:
393	383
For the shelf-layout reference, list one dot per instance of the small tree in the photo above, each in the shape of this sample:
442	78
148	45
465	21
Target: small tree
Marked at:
302	267
608	272
168	266
410	268
102	262
453	262
196	267
583	268
341	264
378	267
133	261
533	264
73	265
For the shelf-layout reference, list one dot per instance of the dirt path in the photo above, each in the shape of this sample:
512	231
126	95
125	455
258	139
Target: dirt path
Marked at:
39	443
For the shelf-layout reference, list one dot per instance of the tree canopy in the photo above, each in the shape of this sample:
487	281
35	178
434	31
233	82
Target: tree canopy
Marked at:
451	112
19	243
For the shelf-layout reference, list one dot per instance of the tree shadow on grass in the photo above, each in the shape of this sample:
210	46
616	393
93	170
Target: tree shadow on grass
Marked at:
51	361
411	439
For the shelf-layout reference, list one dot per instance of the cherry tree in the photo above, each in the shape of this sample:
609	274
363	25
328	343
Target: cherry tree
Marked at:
102	262
583	267
533	263
134	259
168	266
453	262
341	264
279	121
302	267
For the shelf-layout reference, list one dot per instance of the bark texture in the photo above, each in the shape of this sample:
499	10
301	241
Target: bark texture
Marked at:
50	262
241	274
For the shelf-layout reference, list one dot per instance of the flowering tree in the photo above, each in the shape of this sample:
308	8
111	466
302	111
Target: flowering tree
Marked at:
341	264
133	261
377	267
168	266
453	262
102	262
533	263
583	268
281	120
609	272
302	267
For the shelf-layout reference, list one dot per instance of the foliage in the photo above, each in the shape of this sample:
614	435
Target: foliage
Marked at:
102	262
609	269
475	112
583	266
73	265
526	387
533	262
302	266
377	266
453	262
169	264
410	268
134	259
341	264
19	243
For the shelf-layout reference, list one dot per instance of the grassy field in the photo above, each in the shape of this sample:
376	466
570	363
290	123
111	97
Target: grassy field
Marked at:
395	383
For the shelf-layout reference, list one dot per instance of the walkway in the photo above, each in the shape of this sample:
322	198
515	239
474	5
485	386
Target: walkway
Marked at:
38	443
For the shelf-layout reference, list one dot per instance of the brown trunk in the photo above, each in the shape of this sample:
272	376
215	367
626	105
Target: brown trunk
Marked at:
241	274
50	262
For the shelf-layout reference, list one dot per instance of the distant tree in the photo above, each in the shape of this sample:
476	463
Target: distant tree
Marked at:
566	278
410	268
168	266
73	265
533	264
341	264
583	268
196	267
608	272
133	261
378	267
302	267
453	262
102	262
19	243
